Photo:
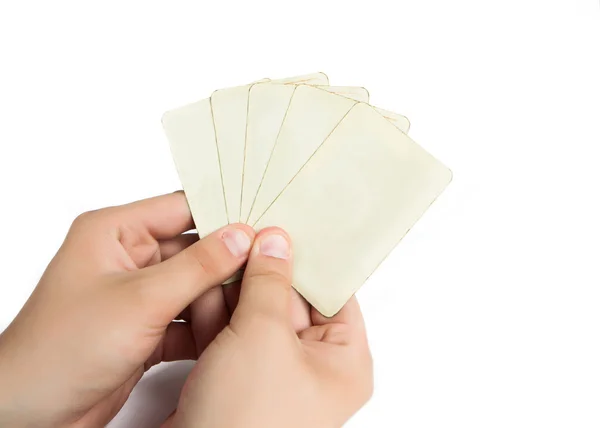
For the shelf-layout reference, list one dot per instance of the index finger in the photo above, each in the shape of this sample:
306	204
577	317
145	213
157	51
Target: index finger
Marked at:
164	217
350	315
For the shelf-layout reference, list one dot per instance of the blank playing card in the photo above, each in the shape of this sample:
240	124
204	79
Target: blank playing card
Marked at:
310	118
191	135
399	121
357	93
229	110
303	131
267	107
347	208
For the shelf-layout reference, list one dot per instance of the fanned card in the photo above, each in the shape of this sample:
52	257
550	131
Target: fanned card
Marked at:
229	110
193	141
310	118
363	189
339	175
267	107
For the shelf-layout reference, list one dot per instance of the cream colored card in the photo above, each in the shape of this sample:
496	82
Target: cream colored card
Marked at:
267	107
312	114
357	93
229	110
314	79
399	121
191	136
361	94
350	205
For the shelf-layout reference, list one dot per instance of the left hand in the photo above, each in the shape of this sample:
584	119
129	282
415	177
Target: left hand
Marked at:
103	311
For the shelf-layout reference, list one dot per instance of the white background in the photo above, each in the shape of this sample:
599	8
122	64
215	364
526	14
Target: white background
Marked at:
488	313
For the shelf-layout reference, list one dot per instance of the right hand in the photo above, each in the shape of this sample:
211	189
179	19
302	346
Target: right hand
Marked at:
279	363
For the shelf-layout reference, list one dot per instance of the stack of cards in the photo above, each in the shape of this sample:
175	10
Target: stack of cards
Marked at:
339	175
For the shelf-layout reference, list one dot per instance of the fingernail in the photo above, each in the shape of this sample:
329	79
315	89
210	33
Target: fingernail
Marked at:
275	246
237	242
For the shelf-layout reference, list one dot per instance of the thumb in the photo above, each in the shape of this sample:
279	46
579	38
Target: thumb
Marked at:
266	287
175	283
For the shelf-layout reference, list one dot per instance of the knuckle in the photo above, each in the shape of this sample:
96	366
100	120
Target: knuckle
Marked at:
206	264
270	275
358	373
83	222
361	384
368	388
90	218
84	218
363	359
365	391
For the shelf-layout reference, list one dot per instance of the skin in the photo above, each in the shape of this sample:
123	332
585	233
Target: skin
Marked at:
105	309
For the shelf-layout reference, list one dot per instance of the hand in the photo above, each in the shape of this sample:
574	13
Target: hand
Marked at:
278	364
103	312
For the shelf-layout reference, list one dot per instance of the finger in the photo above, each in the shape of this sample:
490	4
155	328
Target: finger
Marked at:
300	310
174	284
185	315
344	328
266	286
349	315
146	254
232	295
168	423
209	316
107	408
174	246
164	217
177	344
